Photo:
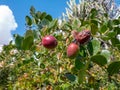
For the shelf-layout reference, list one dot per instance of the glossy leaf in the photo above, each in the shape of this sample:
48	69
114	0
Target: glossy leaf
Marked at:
114	67
18	41
95	46
99	59
28	20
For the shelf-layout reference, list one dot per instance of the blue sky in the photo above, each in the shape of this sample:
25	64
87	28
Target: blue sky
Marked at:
20	9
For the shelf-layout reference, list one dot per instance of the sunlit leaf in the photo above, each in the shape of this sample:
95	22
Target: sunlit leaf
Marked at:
94	29
106	53
28	40
95	46
99	59
103	28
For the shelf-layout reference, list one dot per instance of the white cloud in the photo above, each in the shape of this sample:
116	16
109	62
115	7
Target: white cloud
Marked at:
1	48
7	24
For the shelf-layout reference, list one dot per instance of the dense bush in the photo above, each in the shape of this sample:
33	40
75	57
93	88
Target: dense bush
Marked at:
28	65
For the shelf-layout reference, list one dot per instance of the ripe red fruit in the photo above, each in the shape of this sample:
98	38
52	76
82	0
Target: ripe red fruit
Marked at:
82	37
49	42
72	50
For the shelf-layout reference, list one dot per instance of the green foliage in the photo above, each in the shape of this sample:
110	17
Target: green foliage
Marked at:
28	65
114	67
99	59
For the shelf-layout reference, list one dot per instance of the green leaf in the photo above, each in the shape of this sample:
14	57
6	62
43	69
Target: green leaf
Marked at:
36	34
115	41
90	48
93	12
28	40
82	51
38	15
94	21
81	75
111	34
70	76
65	86
117	30
44	22
49	17
95	46
42	66
27	61
106	53
78	63
110	24
52	24
29	33
28	20
18	41
116	22
94	29
114	67
43	15
103	28
32	11
27	43
76	24
83	23
99	59
118	46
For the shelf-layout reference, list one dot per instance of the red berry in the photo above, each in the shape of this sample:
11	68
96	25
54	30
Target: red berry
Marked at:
49	42
72	50
83	37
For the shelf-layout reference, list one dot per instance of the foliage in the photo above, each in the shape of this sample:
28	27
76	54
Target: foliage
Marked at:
83	8
27	65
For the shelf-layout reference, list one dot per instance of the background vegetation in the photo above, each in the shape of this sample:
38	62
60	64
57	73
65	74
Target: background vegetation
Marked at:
27	65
